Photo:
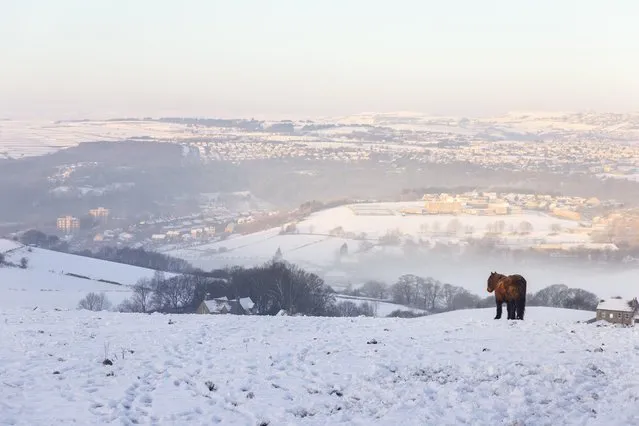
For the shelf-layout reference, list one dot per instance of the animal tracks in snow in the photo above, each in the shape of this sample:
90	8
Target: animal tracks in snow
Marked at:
232	370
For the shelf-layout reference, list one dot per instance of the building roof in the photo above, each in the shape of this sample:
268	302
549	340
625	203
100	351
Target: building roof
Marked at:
619	305
247	303
216	305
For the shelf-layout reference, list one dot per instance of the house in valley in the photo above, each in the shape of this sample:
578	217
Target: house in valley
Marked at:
618	311
223	305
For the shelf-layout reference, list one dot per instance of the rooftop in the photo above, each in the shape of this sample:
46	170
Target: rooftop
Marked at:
620	305
215	305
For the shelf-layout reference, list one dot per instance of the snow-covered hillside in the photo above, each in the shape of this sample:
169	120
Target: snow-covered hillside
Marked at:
29	288
59	280
380	308
315	249
316	242
455	368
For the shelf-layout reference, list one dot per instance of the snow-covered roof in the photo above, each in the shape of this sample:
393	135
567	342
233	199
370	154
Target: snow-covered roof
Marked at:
215	305
621	305
247	303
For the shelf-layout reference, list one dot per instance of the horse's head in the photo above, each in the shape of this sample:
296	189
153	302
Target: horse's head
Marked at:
493	279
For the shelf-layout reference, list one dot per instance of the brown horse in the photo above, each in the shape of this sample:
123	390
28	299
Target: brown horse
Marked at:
510	289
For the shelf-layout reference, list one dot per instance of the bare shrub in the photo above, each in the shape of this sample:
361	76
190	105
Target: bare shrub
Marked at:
95	302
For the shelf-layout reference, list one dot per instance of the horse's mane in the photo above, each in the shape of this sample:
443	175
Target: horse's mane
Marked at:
497	275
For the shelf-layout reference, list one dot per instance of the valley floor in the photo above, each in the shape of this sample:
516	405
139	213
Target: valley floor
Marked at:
461	367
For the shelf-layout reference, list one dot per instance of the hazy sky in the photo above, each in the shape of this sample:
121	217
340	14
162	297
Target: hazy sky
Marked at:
70	58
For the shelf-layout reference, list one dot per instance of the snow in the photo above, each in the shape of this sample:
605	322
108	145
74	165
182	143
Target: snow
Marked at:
390	218
456	368
615	305
46	282
35	137
28	288
216	305
8	245
380	308
247	303
634	177
315	250
314	247
58	262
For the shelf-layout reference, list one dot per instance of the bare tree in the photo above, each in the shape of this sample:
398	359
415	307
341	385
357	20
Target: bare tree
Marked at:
278	255
553	295
365	246
174	294
555	228
432	294
404	291
141	299
463	299
351	309
448	294
525	227
94	302
347	309
392	237
376	289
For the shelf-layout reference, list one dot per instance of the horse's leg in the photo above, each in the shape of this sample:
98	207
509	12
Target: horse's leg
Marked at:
521	307
499	302
510	307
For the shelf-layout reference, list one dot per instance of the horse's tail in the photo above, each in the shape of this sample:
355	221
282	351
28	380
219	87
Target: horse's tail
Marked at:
521	305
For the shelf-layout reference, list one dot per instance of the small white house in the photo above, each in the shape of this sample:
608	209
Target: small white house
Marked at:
618	311
222	305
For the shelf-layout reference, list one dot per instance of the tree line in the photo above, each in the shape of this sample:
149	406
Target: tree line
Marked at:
434	296
273	287
280	286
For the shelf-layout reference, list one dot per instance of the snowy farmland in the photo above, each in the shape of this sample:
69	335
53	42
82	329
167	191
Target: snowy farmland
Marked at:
316	244
60	280
380	308
33	138
455	368
315	249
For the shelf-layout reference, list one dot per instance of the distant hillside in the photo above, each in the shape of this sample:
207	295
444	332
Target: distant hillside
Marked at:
59	280
381	308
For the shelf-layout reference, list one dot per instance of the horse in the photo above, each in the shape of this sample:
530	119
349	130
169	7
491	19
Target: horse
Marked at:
510	289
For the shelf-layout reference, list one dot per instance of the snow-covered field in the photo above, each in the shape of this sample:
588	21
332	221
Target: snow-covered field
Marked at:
32	138
58	262
380	308
39	137
45	282
30	288
317	251
456	368
377	219
314	245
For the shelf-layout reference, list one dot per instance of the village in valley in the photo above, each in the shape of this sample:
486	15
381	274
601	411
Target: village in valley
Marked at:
561	223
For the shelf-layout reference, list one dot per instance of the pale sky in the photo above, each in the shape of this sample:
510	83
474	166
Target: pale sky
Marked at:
304	58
